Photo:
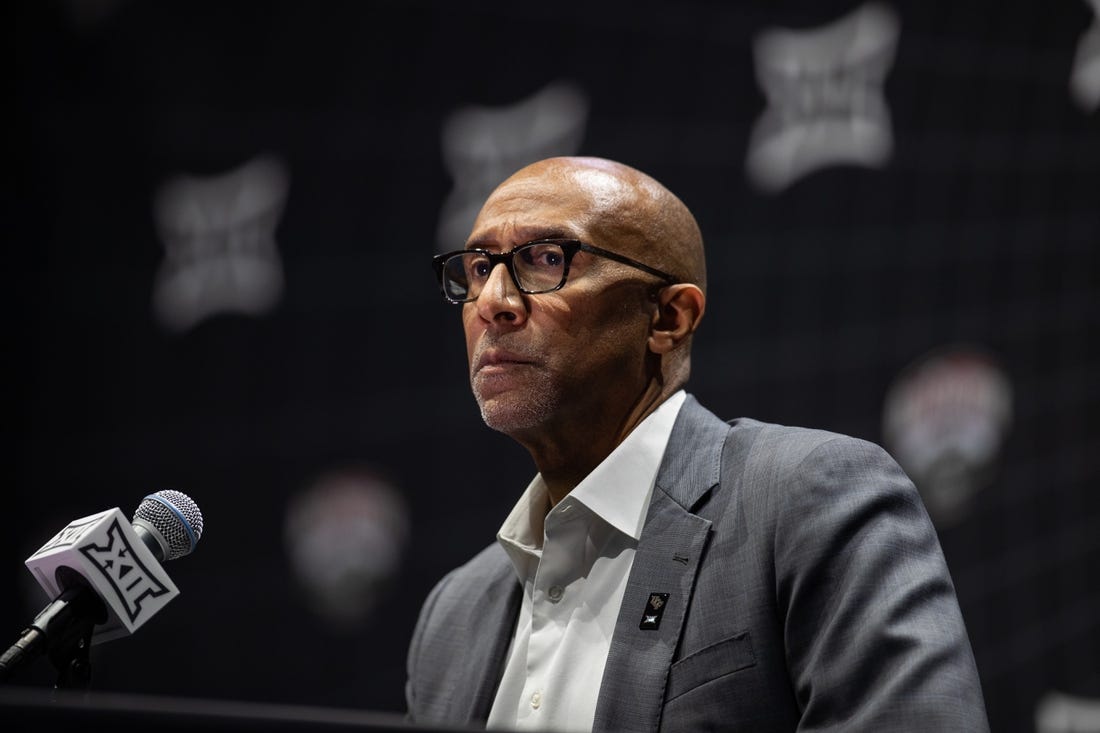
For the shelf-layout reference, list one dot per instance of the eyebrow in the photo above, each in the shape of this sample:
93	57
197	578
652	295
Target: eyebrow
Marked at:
530	234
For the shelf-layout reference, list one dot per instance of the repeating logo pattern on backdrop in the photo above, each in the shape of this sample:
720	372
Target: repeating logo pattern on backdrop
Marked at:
219	241
345	535
944	420
825	99
1085	78
484	145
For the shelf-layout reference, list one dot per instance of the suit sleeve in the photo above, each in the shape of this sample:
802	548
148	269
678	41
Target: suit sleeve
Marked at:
412	710
872	628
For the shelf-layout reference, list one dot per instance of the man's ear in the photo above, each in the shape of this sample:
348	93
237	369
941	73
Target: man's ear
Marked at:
679	309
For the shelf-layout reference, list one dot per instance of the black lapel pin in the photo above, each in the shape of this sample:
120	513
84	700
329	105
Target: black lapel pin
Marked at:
654	609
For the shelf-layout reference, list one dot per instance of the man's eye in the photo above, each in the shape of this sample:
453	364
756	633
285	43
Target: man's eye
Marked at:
543	257
479	268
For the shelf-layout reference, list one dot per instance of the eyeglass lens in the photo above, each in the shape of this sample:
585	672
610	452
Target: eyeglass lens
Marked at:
538	268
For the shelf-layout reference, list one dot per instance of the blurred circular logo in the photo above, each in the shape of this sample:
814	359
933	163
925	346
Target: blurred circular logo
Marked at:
944	420
345	536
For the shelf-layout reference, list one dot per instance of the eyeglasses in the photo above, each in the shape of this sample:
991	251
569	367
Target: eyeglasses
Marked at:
536	267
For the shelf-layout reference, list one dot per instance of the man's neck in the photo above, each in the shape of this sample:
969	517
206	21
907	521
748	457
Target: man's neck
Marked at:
564	456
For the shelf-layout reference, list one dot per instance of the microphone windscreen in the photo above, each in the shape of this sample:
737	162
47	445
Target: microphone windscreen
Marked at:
175	517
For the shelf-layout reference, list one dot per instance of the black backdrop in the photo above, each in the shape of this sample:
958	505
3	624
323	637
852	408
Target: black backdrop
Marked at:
981	228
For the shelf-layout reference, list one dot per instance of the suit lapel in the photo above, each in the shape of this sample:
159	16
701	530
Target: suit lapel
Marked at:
672	543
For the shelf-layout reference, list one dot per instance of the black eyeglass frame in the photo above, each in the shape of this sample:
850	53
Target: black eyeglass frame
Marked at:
569	248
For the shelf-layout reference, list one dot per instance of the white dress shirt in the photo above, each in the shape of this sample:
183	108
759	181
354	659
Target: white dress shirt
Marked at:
573	563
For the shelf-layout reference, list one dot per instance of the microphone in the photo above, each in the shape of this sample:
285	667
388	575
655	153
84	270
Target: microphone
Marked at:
105	576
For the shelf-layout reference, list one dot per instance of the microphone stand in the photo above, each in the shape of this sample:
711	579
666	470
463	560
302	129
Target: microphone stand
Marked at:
63	631
70	650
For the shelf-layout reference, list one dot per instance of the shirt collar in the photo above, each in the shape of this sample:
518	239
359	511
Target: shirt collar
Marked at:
617	491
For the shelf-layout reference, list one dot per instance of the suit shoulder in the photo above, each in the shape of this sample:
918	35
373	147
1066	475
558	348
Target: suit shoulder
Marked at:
790	446
490	562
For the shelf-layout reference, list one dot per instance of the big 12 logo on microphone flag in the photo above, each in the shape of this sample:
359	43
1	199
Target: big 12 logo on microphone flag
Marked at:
115	562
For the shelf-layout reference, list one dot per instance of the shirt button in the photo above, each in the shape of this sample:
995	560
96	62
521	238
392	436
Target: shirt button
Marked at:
536	700
555	594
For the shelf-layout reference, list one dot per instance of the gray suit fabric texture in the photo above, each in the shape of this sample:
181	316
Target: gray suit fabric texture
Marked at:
807	591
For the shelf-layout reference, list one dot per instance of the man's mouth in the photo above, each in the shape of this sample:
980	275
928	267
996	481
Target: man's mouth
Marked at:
499	360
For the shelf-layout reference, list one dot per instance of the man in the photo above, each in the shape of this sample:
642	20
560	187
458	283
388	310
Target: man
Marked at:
665	569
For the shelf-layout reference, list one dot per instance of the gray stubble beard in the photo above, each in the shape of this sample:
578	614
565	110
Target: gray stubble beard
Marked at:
521	412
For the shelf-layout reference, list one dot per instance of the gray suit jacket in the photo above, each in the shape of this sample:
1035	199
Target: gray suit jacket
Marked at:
807	591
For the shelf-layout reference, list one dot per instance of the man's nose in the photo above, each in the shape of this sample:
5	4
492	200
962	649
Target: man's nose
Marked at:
500	301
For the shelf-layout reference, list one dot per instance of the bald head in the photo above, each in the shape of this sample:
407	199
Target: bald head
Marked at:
626	207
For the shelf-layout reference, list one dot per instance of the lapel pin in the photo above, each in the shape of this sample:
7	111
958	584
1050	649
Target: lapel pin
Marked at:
654	609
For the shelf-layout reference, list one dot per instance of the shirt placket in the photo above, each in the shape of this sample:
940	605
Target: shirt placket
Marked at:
552	604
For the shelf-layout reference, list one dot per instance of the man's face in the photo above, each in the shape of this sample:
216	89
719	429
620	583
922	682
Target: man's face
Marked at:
570	359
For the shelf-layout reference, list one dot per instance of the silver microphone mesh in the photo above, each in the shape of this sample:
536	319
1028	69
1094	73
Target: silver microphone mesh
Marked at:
176	517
